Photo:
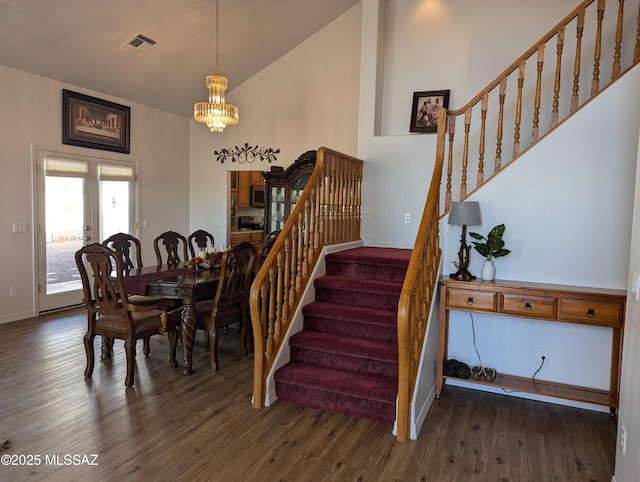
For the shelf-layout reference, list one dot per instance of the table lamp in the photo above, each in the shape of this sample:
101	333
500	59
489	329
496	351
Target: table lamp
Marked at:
464	213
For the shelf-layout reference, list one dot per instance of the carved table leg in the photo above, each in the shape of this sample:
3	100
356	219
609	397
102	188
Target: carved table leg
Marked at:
188	334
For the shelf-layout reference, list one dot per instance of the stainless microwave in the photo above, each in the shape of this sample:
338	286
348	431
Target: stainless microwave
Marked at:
257	196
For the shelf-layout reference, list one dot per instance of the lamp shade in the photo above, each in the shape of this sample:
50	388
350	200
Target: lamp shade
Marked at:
465	213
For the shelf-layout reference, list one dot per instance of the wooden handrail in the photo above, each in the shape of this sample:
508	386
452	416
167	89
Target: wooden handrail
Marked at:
496	109
327	212
417	290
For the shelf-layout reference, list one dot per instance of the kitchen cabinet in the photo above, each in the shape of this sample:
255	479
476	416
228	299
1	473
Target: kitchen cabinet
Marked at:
253	237
283	188
246	180
244	189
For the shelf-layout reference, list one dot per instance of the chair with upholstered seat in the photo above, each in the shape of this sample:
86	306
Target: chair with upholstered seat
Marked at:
175	248
198	240
113	314
230	303
126	246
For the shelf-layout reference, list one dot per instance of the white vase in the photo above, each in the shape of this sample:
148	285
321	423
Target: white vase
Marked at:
488	272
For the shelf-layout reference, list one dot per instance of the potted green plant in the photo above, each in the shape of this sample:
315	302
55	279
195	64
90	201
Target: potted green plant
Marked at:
490	247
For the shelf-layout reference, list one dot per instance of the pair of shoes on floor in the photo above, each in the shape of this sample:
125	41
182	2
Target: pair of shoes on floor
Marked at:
455	368
483	373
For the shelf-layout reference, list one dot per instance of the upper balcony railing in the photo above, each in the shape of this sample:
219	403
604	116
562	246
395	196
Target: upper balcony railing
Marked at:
542	88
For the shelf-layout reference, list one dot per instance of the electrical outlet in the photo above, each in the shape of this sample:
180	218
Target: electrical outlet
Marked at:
13	291
623	439
407	218
543	352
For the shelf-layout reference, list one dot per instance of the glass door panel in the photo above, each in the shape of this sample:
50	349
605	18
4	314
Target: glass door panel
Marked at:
115	207
65	232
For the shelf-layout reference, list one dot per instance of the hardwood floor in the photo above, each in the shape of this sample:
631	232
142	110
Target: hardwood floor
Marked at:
203	427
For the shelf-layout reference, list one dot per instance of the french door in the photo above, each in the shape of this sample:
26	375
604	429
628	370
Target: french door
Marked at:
80	200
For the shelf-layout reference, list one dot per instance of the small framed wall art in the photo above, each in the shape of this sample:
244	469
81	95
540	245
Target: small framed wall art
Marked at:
424	110
95	123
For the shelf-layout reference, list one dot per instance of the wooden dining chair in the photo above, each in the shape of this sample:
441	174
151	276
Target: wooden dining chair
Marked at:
127	247
198	240
113	314
175	247
265	249
229	305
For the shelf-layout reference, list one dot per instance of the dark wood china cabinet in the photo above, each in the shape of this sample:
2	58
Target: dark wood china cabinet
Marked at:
282	189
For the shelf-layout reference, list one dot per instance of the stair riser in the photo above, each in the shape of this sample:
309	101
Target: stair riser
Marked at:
337	403
345	363
358	298
351	328
367	271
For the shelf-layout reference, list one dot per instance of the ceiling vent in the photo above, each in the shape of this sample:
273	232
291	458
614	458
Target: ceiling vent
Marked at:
140	44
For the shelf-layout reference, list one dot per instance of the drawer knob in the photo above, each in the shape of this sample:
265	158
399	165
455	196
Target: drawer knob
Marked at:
591	313
527	306
470	300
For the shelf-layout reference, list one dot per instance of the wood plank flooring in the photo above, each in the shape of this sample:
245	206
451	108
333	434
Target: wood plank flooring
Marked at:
204	428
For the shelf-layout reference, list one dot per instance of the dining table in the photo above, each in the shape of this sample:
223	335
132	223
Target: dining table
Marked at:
176	282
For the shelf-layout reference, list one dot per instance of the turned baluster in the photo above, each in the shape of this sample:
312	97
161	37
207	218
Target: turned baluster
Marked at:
536	102
451	127
576	65
284	284
516	133
465	154
595	83
615	71
483	121
293	264
556	86
498	161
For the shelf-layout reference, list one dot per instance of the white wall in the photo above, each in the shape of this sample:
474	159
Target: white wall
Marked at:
306	99
628	465
31	115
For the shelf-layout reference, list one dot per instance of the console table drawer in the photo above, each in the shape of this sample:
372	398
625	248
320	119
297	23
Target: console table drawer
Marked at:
592	312
529	305
476	300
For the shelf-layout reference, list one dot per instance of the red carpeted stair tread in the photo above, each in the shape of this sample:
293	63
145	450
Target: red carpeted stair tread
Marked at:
355	347
372	255
351	313
361	386
357	284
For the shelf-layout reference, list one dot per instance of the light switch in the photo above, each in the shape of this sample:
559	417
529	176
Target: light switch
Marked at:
22	227
635	287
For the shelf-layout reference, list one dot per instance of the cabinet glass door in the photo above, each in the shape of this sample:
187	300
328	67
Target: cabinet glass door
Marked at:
297	187
277	208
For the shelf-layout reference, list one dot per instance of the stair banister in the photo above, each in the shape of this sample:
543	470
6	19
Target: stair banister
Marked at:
503	112
418	289
327	212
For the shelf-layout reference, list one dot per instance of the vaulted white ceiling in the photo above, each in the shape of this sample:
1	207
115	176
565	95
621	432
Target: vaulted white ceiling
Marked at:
80	42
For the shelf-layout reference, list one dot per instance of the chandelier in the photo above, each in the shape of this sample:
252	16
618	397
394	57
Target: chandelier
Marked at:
216	113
